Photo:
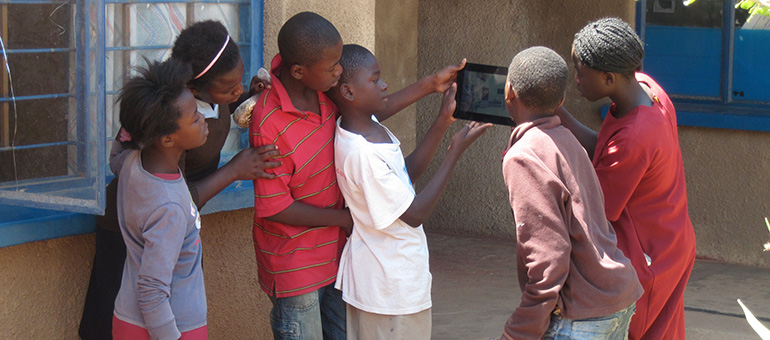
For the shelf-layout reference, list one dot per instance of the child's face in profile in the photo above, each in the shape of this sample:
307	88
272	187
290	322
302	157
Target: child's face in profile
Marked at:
193	129
325	73
224	89
369	90
589	82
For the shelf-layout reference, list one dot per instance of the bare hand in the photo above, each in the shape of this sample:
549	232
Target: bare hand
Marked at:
260	82
448	104
467	135
443	79
250	163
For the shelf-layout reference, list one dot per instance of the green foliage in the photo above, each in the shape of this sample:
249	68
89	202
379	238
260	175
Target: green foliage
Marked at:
753	7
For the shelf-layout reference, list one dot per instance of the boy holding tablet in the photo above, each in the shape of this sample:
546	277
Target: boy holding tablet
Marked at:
572	275
384	274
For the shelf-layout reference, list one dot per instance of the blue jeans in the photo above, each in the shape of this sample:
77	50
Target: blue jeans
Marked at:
313	316
610	327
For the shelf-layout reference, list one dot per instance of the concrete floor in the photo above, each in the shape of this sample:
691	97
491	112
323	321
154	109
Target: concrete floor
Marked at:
475	290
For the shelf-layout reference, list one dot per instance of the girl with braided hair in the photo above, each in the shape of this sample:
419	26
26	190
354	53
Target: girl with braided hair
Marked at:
637	158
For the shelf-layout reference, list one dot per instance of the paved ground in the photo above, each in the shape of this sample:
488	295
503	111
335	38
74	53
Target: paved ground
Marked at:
475	290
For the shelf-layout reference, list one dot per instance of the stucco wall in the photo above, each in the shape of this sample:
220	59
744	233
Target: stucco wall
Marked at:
44	283
728	191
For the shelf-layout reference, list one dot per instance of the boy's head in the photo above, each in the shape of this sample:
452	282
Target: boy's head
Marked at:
215	59
609	45
537	78
360	85
310	48
156	106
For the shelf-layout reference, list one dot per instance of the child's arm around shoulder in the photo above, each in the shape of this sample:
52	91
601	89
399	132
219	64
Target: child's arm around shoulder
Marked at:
584	135
438	82
299	213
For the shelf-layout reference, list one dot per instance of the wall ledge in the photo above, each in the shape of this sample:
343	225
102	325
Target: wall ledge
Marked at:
20	225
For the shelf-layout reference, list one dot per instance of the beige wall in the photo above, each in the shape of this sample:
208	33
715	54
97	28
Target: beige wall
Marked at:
44	283
729	194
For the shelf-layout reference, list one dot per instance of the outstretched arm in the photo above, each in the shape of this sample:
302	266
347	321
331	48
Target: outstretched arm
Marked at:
584	135
426	200
438	82
420	158
249	164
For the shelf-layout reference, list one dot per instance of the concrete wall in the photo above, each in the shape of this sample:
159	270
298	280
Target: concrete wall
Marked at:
726	169
44	283
728	191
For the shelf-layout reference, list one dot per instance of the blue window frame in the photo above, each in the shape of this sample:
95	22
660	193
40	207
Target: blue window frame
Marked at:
62	63
709	56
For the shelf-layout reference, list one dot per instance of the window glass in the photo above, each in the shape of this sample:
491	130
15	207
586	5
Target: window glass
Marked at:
48	116
683	46
751	51
62	66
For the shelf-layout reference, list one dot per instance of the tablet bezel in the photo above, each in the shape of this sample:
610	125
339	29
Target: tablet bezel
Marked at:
478	116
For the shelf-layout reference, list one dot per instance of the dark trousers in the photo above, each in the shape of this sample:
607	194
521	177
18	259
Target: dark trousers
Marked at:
103	287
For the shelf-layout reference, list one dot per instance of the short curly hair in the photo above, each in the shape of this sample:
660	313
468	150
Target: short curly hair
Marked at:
609	45
197	46
354	59
539	75
147	102
304	36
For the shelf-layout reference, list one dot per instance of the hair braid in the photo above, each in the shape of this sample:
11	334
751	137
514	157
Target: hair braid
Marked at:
609	45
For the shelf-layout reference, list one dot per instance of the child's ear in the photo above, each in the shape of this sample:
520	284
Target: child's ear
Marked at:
167	141
297	71
347	92
194	90
510	92
609	78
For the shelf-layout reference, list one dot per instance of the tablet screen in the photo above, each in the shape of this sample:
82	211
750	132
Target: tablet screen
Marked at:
481	94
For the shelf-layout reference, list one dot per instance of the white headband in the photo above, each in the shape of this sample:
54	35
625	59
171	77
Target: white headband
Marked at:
216	57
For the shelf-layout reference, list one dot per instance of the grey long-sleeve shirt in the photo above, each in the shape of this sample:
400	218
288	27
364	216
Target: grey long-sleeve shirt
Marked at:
162	288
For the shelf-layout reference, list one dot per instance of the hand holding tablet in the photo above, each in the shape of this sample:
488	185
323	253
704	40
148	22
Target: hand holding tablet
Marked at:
481	94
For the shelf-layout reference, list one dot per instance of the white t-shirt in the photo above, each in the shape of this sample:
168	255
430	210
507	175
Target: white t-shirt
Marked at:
384	266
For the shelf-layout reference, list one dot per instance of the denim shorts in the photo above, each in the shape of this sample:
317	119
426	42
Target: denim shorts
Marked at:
610	327
313	316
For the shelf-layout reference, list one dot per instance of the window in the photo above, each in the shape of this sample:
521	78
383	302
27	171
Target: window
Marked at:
708	56
63	64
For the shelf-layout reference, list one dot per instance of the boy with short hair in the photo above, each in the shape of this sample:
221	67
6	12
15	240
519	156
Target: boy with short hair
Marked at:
298	216
384	273
569	267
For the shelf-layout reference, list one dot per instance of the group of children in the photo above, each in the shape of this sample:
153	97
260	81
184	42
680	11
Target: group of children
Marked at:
337	228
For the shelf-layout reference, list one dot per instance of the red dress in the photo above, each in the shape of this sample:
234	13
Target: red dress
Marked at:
639	165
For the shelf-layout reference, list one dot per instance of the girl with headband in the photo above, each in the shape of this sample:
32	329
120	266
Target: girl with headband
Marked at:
217	69
637	158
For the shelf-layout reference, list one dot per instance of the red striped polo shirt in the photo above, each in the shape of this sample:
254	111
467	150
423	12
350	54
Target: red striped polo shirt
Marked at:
295	260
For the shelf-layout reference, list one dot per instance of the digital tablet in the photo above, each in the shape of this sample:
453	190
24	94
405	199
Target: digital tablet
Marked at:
481	94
